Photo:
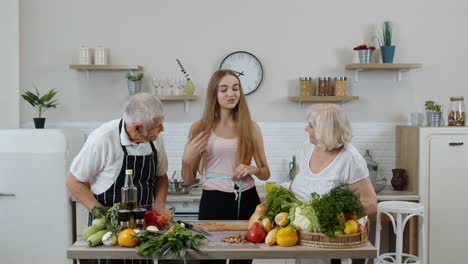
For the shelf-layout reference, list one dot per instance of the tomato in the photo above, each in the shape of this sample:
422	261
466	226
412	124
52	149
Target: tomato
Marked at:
256	233
158	219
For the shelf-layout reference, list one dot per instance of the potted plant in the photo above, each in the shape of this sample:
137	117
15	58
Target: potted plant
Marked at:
134	82
387	50
365	53
433	113
189	87
41	103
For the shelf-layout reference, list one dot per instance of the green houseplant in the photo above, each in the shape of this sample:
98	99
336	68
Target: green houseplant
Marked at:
433	113
41	103
387	49
134	82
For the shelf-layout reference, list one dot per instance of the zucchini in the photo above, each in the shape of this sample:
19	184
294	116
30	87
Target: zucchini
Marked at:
96	238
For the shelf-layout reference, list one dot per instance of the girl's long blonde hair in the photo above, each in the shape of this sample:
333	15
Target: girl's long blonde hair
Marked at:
246	147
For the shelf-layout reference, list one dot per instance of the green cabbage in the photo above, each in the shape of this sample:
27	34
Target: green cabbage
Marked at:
304	218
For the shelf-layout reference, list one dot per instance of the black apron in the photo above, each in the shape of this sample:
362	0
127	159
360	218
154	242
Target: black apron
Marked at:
144	177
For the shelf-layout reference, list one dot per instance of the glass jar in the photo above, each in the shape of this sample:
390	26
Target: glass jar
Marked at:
302	86
371	165
328	87
456	115
321	87
340	86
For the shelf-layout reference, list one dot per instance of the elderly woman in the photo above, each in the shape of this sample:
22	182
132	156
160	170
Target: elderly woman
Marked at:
331	160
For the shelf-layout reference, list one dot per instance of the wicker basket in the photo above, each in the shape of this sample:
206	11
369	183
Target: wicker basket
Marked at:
340	241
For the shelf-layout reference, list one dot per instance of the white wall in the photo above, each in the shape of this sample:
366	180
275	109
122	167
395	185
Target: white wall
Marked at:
9	66
293	39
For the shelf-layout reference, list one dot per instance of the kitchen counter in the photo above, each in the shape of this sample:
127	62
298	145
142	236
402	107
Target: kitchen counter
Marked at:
215	248
388	194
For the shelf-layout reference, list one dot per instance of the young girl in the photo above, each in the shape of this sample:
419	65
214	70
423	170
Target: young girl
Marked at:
223	144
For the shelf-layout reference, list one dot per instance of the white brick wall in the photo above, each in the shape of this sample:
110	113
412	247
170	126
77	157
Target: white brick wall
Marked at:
282	141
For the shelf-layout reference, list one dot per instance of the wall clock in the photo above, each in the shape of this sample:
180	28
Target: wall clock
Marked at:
247	67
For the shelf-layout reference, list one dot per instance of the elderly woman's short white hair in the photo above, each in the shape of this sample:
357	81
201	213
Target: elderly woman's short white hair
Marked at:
330	124
142	108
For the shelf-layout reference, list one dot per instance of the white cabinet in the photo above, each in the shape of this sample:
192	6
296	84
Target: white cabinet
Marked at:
437	164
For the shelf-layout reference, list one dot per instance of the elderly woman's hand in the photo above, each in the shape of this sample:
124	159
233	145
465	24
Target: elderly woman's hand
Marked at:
244	170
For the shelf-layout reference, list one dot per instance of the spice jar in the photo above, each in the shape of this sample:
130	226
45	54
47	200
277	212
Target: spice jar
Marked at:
456	115
340	86
328	87
124	218
312	88
139	215
321	87
302	86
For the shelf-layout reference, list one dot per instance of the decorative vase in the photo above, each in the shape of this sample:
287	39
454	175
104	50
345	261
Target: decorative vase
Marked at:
39	122
434	119
189	87
134	87
365	56
387	52
399	179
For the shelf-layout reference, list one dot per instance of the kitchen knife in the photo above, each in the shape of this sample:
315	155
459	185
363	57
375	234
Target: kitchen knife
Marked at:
191	227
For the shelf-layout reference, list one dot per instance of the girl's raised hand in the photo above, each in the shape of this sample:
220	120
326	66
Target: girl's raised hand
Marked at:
195	148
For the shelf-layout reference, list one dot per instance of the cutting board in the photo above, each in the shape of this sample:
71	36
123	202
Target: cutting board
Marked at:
222	225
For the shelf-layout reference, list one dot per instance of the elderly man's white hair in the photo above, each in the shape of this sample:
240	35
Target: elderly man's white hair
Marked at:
142	108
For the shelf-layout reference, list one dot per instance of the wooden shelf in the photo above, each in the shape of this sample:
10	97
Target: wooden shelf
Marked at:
107	67
399	67
178	97
175	98
383	66
318	99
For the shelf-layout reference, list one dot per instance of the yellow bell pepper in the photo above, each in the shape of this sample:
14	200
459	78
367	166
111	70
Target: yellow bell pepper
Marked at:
286	237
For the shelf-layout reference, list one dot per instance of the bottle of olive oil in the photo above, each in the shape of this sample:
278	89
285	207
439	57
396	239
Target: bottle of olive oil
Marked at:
129	195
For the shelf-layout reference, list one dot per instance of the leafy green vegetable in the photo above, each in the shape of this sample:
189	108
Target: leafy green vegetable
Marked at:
330	208
278	200
303	217
170	244
111	213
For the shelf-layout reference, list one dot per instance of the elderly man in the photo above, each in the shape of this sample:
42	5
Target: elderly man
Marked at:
97	173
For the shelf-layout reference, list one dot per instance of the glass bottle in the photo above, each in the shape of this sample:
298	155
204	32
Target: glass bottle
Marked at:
456	115
371	165
129	192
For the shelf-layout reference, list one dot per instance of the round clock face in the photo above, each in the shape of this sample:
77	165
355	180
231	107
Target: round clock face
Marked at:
247	67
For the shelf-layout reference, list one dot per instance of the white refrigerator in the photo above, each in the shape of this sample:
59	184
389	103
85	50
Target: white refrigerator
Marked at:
35	209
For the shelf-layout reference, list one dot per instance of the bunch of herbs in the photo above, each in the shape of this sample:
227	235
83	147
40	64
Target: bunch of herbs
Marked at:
278	200
331	206
173	243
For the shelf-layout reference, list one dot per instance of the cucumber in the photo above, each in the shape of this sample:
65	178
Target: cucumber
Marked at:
96	238
98	224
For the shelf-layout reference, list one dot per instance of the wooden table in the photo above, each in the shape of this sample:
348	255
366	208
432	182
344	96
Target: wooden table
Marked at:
214	248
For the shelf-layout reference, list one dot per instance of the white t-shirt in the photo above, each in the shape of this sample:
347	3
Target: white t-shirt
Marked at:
348	167
100	160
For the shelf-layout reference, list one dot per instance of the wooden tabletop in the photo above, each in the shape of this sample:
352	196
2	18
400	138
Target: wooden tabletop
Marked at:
215	248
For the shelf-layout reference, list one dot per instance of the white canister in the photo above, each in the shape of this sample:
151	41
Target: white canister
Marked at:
85	55
101	56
